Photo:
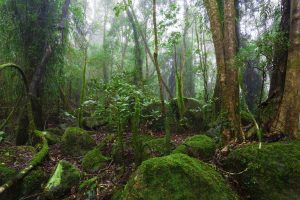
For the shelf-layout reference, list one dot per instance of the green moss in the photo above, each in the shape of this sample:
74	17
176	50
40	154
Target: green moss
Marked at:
273	173
198	146
94	160
64	177
155	147
177	177
51	137
6	173
55	131
77	142
33	182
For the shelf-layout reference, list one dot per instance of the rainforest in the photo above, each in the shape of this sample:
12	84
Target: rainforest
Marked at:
150	99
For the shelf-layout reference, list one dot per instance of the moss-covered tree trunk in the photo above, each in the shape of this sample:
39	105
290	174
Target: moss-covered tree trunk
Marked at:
287	119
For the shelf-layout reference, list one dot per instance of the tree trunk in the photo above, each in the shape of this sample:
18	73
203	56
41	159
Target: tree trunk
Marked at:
227	86
287	119
138	74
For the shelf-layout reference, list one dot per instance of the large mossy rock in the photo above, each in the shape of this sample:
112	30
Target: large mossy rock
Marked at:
77	142
6	173
177	177
198	146
32	183
64	177
94	160
270	173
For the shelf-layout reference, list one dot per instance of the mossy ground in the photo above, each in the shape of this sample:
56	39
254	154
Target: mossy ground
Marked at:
198	146
272	173
77	142
177	177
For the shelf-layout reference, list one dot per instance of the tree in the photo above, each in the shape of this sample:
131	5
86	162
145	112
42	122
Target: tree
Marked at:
227	85
287	118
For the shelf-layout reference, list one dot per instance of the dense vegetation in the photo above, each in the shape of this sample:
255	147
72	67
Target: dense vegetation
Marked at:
123	99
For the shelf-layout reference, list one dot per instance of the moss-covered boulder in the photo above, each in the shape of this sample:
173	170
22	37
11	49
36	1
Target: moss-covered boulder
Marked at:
64	177
33	182
77	142
270	173
198	146
51	137
177	177
94	160
6	173
155	147
92	123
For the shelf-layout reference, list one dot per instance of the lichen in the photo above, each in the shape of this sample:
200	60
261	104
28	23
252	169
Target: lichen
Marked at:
270	173
198	146
94	160
177	177
77	142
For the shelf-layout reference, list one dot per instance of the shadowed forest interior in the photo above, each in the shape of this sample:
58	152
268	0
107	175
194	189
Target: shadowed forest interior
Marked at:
150	99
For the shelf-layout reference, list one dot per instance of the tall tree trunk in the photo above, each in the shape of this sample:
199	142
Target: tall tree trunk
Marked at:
227	86
215	18
138	74
287	119
105	63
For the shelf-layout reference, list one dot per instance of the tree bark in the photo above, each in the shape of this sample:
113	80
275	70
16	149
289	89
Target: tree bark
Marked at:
227	85
138	74
287	119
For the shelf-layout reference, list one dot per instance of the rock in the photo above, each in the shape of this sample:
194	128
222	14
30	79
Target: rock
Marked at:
155	148
63	179
269	173
177	177
198	146
51	137
92	123
94	160
32	183
55	131
77	142
6	173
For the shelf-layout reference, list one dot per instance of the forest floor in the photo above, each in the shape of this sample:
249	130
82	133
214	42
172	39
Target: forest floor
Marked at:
110	178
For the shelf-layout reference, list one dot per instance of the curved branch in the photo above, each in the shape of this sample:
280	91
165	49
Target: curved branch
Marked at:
20	70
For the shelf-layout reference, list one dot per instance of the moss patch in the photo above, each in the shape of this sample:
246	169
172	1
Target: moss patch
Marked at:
94	160
198	146
77	142
177	177
273	173
62	180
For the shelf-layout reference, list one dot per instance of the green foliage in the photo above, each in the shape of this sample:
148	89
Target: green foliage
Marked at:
198	146
2	136
76	141
177	177
272	172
